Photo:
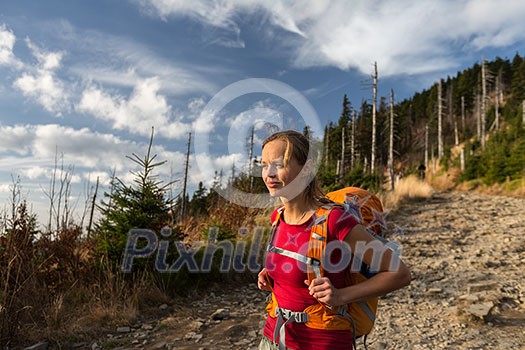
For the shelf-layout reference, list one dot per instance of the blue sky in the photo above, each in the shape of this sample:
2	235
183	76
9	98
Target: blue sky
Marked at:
88	79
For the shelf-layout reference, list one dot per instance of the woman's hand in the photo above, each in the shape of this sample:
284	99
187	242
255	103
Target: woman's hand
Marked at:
323	290
262	280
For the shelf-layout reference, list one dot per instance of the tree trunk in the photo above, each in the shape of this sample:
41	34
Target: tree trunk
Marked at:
391	142
183	206
426	146
374	102
483	101
463	115
440	121
352	141
343	149
496	107
250	165
478	116
92	209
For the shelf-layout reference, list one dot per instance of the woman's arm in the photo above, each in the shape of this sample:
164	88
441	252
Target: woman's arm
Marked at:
392	273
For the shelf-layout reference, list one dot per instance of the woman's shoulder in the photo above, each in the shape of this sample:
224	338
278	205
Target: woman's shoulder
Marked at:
276	211
341	221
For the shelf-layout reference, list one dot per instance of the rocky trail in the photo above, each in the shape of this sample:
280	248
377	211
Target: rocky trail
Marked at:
467	255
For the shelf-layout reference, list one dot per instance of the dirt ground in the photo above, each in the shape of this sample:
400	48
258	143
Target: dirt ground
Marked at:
467	255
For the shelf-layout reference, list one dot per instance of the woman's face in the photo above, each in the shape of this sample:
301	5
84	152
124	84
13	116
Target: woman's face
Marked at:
275	174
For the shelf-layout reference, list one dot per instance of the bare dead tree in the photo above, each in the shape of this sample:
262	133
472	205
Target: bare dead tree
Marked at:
426	146
478	116
59	195
391	142
51	193
343	149
93	205
496	101
463	115
326	145
374	103
440	120
16	196
483	100
183	206
352	139
250	156
452	115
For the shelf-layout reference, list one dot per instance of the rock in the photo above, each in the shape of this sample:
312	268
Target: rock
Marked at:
158	346
242	342
470	298
168	322
163	306
38	346
147	326
220	314
382	346
432	291
196	325
236	331
482	286
124	329
480	310
189	335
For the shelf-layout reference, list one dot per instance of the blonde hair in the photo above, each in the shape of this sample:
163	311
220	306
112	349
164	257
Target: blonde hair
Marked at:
298	148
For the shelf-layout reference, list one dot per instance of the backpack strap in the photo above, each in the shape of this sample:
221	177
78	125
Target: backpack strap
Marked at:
285	316
294	255
318	239
316	248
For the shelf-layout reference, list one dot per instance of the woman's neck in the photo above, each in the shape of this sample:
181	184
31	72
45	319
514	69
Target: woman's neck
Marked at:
297	209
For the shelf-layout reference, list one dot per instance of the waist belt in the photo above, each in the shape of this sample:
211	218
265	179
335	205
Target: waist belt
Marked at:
284	317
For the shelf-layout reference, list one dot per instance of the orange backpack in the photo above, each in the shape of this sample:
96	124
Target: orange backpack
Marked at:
359	317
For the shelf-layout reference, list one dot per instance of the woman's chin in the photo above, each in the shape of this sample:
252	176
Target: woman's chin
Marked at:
274	192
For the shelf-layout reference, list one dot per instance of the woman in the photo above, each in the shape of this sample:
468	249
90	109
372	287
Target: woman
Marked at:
288	174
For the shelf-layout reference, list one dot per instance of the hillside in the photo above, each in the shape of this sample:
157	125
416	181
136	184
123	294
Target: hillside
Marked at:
481	108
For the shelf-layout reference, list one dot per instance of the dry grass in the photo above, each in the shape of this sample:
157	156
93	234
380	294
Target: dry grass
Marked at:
407	188
445	181
53	288
514	188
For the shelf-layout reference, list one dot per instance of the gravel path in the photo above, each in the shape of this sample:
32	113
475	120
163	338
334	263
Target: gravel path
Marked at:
466	253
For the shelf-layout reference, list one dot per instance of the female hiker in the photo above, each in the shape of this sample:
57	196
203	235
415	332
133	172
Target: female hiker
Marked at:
288	173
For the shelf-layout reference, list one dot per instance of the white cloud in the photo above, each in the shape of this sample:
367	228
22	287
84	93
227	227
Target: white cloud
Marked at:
121	62
145	108
84	153
35	172
404	37
104	177
204	166
5	188
205	121
41	84
7	43
81	147
196	105
47	173
15	139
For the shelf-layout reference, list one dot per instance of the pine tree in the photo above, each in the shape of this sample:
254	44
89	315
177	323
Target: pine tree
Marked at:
143	204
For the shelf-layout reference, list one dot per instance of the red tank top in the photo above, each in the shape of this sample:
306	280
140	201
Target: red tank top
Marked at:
289	275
